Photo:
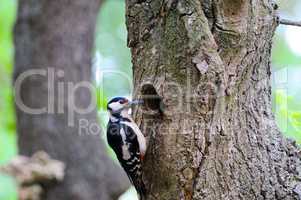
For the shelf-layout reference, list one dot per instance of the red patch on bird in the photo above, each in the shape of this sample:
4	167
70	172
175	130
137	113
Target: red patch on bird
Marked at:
124	101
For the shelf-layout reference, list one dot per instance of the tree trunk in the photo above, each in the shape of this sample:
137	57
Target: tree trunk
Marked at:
54	40
205	68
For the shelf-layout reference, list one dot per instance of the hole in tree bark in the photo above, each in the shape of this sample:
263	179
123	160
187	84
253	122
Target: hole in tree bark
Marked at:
152	100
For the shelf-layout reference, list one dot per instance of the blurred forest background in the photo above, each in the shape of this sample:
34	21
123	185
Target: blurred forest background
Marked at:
111	53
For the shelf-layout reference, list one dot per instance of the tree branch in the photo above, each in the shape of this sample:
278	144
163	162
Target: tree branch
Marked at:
289	22
30	173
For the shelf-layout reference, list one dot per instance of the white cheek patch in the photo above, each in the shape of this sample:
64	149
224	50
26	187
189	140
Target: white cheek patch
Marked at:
115	106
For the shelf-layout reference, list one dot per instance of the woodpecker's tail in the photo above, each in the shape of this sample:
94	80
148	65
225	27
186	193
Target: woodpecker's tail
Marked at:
141	191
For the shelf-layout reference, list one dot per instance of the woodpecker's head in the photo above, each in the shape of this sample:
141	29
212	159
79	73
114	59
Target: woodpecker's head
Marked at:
119	104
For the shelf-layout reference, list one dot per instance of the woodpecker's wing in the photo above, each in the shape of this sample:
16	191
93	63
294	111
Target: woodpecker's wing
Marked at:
134	129
114	138
132	166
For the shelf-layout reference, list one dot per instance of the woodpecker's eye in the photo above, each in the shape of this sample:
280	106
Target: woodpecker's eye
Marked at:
123	101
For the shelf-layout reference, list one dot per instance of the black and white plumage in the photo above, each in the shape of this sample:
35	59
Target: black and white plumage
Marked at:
127	141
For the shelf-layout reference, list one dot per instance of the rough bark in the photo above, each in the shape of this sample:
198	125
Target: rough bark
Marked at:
212	133
57	37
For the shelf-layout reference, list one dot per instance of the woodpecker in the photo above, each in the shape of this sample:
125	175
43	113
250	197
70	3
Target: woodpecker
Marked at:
127	141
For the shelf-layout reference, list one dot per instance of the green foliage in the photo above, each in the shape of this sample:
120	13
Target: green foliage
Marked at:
111	46
101	99
288	115
8	188
111	34
7	18
7	120
287	64
282	55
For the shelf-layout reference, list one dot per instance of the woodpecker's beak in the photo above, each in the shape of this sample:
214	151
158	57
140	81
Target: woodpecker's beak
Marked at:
135	102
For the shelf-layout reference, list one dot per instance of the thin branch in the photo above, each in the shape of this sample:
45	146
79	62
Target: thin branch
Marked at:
289	22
